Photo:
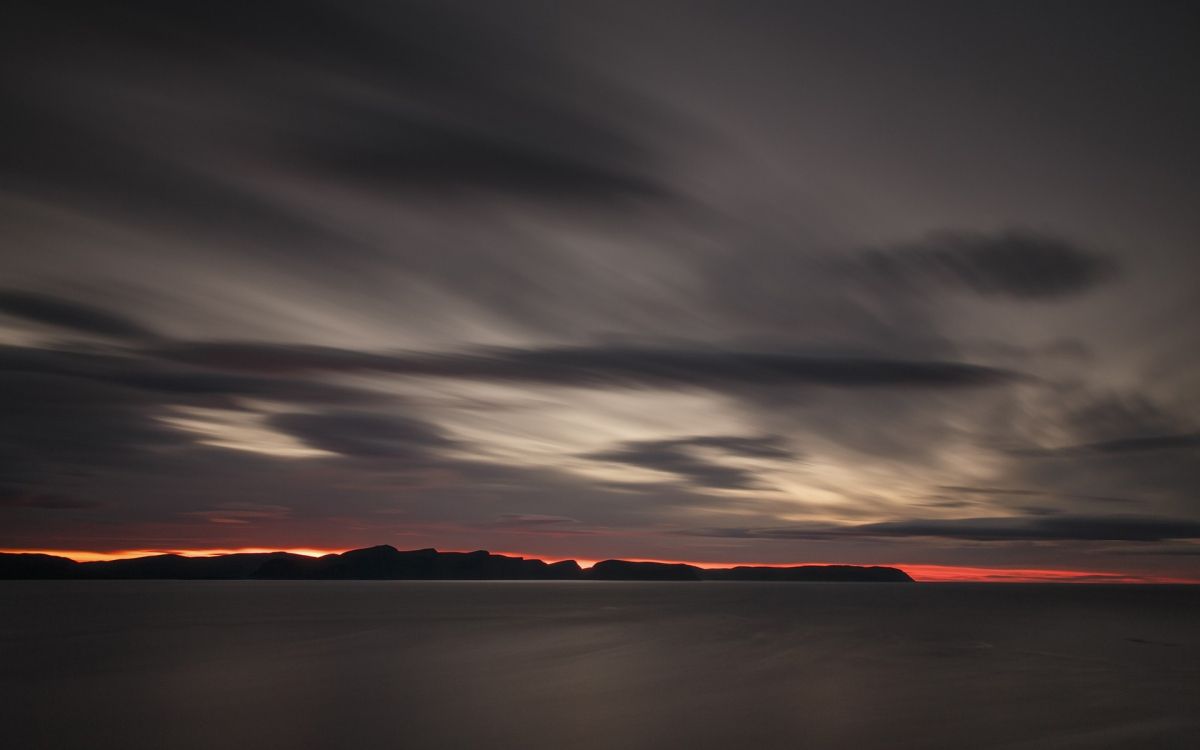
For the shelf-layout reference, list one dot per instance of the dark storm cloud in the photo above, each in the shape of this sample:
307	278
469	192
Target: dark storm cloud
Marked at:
440	159
1082	446
414	97
1106	416
364	435
1077	528
988	490
602	367
1015	492
54	426
763	446
1191	550
1038	510
680	457
14	497
1147	444
1016	263
536	523
172	382
72	316
1004	529
1162	475
533	519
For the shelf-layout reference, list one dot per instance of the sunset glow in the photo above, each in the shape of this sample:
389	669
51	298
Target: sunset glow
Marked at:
598	375
920	572
127	554
521	293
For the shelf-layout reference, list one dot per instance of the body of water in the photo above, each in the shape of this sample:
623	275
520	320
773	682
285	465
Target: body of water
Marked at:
169	665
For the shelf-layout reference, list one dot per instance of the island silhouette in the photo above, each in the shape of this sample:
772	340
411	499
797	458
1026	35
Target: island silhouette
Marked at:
385	562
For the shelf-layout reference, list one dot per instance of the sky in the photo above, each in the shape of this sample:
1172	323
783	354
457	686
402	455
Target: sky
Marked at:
774	282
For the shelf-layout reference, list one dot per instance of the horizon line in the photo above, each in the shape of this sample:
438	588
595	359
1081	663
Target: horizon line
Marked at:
919	572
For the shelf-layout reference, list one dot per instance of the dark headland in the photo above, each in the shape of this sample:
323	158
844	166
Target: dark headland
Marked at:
387	563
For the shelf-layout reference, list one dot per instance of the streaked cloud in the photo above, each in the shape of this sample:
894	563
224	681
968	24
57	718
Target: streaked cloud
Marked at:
584	278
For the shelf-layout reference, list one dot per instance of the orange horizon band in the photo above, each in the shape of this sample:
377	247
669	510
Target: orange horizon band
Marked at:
922	572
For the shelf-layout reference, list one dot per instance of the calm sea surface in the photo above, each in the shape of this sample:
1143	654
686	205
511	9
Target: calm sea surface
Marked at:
620	666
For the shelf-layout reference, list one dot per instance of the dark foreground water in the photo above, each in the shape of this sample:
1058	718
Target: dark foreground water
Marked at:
620	666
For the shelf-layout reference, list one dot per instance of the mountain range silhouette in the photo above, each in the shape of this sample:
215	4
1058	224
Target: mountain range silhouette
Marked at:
385	562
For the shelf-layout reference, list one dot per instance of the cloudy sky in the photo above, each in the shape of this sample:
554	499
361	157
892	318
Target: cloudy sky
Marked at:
863	282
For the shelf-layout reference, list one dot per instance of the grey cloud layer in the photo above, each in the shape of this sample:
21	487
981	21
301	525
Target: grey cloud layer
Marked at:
702	241
1139	444
604	366
72	316
365	435
1006	529
1014	263
680	457
418	96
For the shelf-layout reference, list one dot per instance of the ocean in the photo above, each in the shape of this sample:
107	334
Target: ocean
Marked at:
171	665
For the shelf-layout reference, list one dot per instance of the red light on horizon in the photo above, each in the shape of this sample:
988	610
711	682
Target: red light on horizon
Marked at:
127	554
920	572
